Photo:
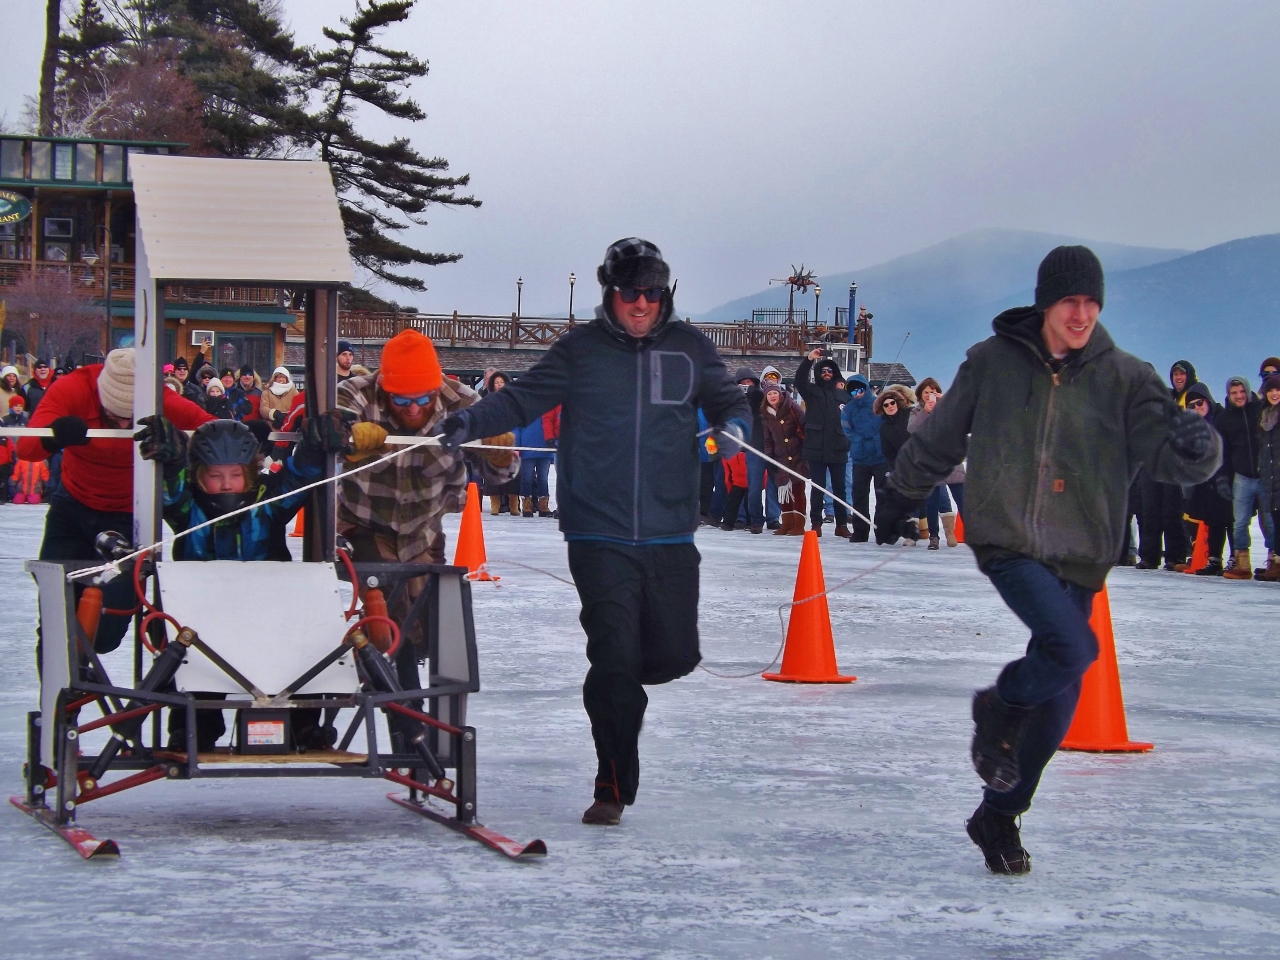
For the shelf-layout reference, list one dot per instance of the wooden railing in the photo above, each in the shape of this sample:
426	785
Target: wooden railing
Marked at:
457	330
91	278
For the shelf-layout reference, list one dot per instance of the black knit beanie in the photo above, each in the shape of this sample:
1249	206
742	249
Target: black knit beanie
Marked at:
1068	272
633	263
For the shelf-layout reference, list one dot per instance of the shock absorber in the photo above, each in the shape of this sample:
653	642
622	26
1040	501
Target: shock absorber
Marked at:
375	605
383	678
162	670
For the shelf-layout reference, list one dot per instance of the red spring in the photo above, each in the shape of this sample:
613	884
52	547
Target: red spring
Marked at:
146	622
355	584
395	631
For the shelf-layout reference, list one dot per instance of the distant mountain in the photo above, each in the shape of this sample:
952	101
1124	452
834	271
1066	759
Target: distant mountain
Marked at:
945	295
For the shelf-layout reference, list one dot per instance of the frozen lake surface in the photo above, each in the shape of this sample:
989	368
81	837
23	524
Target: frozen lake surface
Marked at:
773	820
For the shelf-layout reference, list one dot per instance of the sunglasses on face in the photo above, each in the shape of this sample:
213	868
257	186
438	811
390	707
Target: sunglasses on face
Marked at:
858	391
632	294
890	403
423	401
1199	403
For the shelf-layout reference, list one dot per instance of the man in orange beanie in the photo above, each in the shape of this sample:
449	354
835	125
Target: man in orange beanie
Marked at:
393	512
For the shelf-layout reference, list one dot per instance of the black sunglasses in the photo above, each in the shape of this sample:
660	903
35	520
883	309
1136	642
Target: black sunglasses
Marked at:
887	402
1199	403
632	294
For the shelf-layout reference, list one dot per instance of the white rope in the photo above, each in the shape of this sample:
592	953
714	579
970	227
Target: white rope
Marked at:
427	441
103	434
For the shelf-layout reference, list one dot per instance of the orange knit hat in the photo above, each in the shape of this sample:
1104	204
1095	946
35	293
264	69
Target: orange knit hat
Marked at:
410	367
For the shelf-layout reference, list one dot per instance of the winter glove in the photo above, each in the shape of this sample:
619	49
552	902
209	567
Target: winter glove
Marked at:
895	516
455	430
366	439
1190	435
67	432
1222	487
728	437
329	433
161	441
500	458
277	418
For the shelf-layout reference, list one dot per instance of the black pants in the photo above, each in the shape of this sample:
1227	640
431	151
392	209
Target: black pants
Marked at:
818	474
706	484
733	505
1161	520
640	614
862	478
69	531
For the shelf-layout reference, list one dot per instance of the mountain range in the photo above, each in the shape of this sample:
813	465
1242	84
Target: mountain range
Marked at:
1216	307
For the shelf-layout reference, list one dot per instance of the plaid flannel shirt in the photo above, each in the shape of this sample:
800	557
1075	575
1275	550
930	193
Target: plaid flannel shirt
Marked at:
406	498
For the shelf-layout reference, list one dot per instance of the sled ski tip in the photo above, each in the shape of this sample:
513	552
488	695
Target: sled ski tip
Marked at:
86	844
490	838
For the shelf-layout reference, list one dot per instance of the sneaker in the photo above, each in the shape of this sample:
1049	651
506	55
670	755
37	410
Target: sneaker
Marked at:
774	525
999	729
603	813
1143	565
999	839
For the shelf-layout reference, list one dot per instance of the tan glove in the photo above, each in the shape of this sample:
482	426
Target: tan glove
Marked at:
500	458
366	439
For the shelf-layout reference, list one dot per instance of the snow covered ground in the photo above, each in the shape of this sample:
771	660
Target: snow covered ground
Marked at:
773	820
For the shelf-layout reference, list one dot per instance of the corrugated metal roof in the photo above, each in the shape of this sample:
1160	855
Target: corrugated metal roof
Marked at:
203	218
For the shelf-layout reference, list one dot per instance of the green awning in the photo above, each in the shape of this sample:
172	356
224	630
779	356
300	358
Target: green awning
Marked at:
212	311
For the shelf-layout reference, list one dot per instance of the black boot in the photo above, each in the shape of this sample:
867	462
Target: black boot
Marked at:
1212	569
997	738
997	836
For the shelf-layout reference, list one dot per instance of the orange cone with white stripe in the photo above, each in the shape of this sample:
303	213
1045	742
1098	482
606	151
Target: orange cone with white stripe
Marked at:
810	652
470	552
1099	725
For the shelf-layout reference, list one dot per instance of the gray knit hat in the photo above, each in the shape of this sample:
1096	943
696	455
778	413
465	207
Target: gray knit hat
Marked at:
1068	272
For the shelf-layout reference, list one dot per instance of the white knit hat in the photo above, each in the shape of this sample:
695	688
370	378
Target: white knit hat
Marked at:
115	384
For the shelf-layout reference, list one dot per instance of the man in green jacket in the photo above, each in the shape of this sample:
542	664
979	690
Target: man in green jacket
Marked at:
1055	421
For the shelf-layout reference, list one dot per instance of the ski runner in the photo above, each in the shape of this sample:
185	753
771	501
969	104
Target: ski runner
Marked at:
1055	421
630	384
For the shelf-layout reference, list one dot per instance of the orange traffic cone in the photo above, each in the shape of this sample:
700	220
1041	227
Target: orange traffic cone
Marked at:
810	654
298	524
470	552
959	528
1099	725
1200	553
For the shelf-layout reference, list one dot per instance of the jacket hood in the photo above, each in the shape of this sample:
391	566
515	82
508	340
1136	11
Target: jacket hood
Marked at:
1244	382
488	381
864	401
1198	389
835	369
746	373
1024	324
768	369
1186	366
906	398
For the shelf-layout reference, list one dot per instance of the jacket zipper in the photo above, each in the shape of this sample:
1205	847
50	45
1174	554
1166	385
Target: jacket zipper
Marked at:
1044	461
635	481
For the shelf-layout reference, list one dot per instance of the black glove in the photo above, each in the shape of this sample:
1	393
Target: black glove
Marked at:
455	430
1190	435
67	432
1222	487
329	433
728	437
277	419
895	516
161	441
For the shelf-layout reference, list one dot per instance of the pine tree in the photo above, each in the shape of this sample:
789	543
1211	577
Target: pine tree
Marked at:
382	187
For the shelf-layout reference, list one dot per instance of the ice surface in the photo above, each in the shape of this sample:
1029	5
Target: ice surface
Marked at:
773	820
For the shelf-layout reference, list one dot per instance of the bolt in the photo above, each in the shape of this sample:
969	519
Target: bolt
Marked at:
468	805
173	771
69	805
377	771
38	789
71	734
88	783
36	722
468	736
372	582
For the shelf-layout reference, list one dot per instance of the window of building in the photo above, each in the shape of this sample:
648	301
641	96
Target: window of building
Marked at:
11	160
63	154
41	160
128	174
86	162
234	350
112	163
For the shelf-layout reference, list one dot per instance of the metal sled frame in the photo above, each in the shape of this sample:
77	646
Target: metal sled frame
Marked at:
173	193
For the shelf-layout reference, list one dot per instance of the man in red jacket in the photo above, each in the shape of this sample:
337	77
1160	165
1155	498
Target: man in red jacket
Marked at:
97	475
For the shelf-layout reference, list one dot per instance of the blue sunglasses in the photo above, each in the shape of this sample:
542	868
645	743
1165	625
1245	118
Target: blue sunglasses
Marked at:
422	401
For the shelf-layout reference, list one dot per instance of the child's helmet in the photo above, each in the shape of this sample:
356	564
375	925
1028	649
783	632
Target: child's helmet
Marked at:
221	443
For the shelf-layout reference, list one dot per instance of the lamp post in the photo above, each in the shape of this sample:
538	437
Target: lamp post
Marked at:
817	299
572	280
519	293
853	296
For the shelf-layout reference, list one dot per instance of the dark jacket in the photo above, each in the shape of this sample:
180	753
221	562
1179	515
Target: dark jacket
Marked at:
894	429
34	392
860	424
1269	457
194	393
1241	437
1051	454
1211	501
824	439
627	466
755	397
1192	380
784	438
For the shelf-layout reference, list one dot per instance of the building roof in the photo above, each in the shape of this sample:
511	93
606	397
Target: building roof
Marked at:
256	221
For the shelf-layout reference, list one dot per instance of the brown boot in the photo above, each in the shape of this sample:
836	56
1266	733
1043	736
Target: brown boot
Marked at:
1272	573
527	507
603	813
1241	570
923	525
949	528
843	532
494	504
784	525
544	506
513	504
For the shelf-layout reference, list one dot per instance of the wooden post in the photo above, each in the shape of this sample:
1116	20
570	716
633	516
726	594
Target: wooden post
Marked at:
515	331
453	330
321	342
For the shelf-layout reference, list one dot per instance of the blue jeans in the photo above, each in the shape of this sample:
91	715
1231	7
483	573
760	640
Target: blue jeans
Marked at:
534	475
755	490
773	512
1247	493
1047	679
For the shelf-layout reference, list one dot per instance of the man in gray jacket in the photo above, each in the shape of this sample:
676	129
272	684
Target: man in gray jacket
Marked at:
1055	421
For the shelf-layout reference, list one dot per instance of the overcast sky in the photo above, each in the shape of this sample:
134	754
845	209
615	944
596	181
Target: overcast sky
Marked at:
745	136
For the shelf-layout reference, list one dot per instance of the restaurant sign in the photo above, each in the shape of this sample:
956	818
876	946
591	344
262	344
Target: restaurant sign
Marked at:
14	207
